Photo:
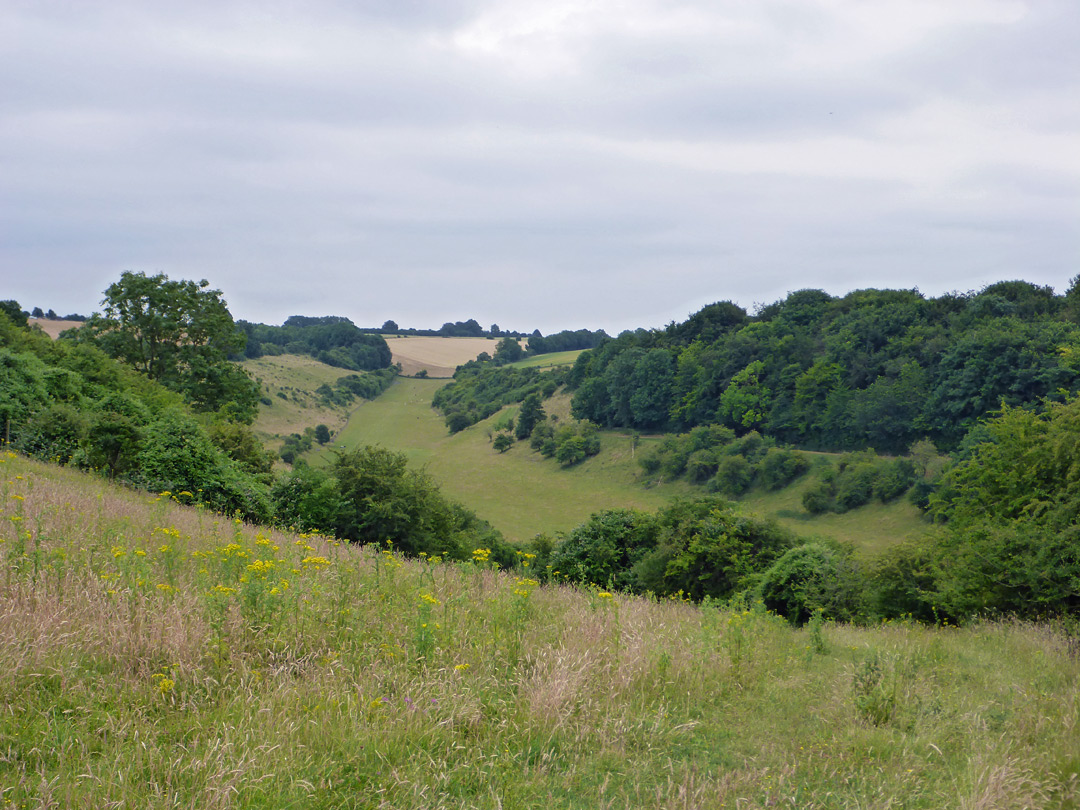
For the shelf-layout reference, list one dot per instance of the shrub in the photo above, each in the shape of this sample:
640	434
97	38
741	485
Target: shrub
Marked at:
894	479
701	466
855	485
780	467
812	577
734	476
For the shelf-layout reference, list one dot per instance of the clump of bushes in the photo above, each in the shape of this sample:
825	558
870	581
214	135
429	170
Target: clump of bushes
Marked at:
857	479
569	443
712	456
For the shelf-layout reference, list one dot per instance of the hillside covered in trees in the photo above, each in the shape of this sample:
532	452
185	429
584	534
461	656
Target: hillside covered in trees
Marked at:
874	368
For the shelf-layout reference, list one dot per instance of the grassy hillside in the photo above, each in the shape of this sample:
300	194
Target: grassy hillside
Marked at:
549	360
523	494
153	655
871	529
438	356
519	492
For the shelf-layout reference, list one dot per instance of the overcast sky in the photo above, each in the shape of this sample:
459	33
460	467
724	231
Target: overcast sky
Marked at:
547	164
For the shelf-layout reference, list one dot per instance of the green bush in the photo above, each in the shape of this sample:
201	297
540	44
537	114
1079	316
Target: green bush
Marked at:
813	577
780	467
734	476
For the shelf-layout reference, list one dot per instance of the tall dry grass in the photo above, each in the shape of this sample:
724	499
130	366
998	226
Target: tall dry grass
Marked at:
233	666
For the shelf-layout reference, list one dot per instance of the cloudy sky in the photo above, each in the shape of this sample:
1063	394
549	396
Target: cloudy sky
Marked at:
535	163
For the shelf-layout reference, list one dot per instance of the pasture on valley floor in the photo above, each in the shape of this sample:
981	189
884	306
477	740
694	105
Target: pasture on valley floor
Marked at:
158	655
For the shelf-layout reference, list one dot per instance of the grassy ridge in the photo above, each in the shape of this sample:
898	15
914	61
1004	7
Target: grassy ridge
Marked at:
549	360
153	655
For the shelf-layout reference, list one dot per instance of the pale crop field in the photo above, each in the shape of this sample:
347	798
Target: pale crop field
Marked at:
54	328
154	655
439	356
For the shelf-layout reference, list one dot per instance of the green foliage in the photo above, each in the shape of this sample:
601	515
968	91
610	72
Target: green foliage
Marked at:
699	548
875	368
605	549
734	476
781	466
384	501
14	312
322	434
508	350
529	415
176	455
481	389
332	340
814	577
502	442
347	389
178	333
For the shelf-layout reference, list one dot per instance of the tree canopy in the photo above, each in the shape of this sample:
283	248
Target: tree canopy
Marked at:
179	333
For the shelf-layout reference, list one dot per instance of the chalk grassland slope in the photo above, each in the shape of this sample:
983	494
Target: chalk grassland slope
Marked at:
289	382
439	356
54	328
153	655
519	492
523	494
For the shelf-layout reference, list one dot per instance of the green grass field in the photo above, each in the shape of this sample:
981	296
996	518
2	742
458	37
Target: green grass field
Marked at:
549	360
523	494
289	381
157	656
518	492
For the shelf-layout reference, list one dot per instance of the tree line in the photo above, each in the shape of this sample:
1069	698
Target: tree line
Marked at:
333	340
875	368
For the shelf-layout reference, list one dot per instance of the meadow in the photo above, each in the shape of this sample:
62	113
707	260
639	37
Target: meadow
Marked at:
289	381
156	655
523	494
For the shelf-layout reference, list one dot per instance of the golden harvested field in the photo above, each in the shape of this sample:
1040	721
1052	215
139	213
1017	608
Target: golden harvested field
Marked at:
54	328
439	356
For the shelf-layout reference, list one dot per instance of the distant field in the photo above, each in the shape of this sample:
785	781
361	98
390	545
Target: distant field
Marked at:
519	492
290	380
550	360
439	356
54	328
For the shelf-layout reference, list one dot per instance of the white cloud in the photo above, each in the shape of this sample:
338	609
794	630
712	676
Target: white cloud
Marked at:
443	160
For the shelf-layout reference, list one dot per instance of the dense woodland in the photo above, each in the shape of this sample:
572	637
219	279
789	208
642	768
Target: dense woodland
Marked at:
875	368
144	394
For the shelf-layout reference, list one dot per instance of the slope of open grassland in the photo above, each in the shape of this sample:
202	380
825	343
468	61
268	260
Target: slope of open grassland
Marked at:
154	655
523	494
438	356
549	360
289	382
870	529
519	492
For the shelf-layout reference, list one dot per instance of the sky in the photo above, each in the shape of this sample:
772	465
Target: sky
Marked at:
535	163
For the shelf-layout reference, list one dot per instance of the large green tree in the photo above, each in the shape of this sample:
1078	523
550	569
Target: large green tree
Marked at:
179	333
